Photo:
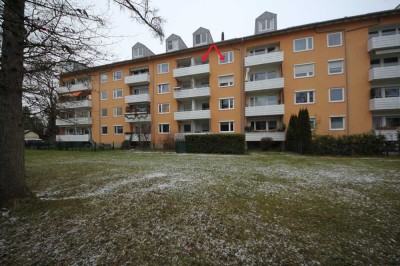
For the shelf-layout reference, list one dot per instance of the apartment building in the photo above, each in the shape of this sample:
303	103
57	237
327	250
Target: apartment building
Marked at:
346	72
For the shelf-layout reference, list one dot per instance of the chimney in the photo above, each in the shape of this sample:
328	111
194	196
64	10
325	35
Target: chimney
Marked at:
222	36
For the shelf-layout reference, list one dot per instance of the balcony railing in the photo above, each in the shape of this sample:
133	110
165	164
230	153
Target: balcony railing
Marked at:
190	115
390	103
75	104
263	59
265	110
192	70
137	79
135	137
137	117
384	72
137	98
266	84
390	135
192	93
257	136
384	42
73	138
74	121
73	88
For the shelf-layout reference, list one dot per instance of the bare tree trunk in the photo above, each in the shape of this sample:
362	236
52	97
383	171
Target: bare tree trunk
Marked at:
12	171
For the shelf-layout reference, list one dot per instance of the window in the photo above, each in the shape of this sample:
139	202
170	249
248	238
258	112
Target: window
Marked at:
163	128
200	38
388	32
259	125
335	39
104	112
335	67
103	78
163	68
117	93
266	24
172	45
392	92
104	130
104	95
117	111
228	58
205	106
312	123
373	34
258	101
336	123
392	61
375	63
336	95
138	52
225	81
187	128
226	104
163	108
118	130
303	44
304	71
226	126
257	52
163	88
304	97
117	75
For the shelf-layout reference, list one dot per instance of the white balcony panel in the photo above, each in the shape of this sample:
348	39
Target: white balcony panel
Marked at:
73	88
191	115
390	135
131	118
72	138
384	42
257	136
137	98
75	104
384	72
135	137
192	70
378	104
192	93
74	121
266	84
137	79
263	59
265	110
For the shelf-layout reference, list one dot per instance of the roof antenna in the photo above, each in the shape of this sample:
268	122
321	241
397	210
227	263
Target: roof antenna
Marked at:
222	36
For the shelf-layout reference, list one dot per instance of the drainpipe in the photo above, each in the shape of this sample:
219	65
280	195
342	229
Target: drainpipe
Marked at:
347	83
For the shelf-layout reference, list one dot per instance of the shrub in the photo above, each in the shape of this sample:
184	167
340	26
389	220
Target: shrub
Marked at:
304	132
215	143
291	134
266	143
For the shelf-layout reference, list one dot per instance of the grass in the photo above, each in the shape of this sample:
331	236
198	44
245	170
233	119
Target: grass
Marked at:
121	207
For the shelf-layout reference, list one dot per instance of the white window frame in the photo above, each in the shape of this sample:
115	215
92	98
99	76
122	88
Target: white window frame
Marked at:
114	75
101	95
115	127
174	45
160	108
231	126
115	93
314	122
159	128
140	52
329	94
335	45
205	37
104	126
101	112
337	116
230	84
333	61
231	103
307	42
308	97
160	68
229	57
308	73
115	111
102	79
160	86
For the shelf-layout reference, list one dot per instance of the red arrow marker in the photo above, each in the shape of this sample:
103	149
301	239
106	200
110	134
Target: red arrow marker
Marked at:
221	56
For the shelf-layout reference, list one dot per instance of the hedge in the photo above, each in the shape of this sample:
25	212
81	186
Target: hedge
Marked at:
215	143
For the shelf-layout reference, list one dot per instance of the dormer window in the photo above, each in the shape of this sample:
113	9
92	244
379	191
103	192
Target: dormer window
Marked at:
138	52
266	24
201	38
172	45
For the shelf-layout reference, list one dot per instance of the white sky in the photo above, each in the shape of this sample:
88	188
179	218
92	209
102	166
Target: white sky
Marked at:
233	17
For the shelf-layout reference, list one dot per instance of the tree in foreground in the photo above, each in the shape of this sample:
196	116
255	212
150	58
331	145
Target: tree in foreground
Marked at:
304	132
41	35
292	134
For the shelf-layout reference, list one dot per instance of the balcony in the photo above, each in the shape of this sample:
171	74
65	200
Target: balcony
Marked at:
73	88
74	121
140	98
384	72
192	71
390	103
384	42
257	136
135	118
72	138
190	115
140	79
278	109
192	93
263	59
390	135
75	104
266	84
135	137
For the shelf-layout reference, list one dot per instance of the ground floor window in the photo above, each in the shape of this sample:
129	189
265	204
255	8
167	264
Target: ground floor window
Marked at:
226	126
264	125
337	123
118	130
163	128
104	130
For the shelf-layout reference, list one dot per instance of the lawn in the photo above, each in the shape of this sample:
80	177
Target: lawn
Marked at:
118	207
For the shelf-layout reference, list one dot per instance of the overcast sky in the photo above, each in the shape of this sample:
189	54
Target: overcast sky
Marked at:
233	17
